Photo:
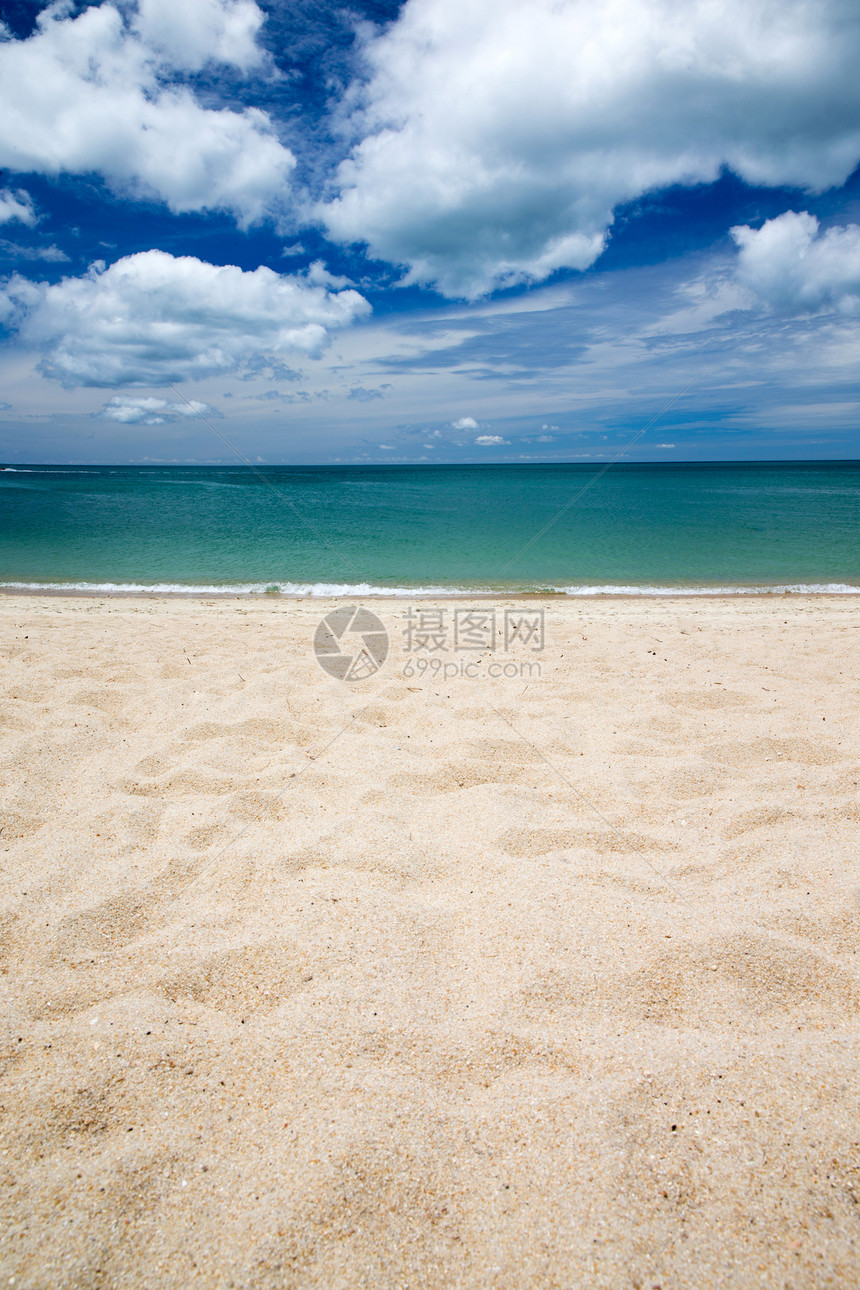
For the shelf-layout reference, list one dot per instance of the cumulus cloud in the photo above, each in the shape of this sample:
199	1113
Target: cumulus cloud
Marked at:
465	423
16	205
196	32
151	411
102	92
792	265
151	319
494	139
490	440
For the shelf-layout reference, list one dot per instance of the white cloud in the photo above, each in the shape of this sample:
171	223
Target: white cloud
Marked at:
151	411
13	250
317	274
100	92
792	265
192	33
490	440
151	319
17	205
545	438
495	138
465	423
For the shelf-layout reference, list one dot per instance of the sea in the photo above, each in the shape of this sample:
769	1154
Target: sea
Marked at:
576	530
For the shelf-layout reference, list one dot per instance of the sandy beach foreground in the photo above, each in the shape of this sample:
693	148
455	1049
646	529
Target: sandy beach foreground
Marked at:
479	981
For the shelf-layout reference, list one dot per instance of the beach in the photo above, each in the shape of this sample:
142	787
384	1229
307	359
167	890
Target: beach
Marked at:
544	977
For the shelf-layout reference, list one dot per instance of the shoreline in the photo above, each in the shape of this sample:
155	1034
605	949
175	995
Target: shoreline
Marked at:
798	591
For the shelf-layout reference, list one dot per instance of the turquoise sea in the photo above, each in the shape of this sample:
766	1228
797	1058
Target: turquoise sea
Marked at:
574	529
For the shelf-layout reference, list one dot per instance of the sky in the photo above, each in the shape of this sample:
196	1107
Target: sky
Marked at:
431	231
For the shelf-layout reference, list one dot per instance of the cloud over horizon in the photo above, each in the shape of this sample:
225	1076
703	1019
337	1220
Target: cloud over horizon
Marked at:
129	410
792	265
151	319
188	151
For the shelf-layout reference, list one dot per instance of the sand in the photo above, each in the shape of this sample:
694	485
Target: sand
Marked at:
413	982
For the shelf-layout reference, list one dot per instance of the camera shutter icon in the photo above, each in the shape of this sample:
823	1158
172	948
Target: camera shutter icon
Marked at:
351	643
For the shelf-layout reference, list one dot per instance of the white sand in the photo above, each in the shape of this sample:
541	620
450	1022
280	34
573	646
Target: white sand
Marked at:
509	983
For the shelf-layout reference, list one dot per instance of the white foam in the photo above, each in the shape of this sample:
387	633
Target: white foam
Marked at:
294	589
795	588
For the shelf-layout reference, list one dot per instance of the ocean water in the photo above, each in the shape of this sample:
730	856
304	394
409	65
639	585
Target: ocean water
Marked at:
691	528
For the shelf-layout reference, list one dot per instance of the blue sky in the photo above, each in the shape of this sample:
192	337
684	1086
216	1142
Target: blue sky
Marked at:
501	231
